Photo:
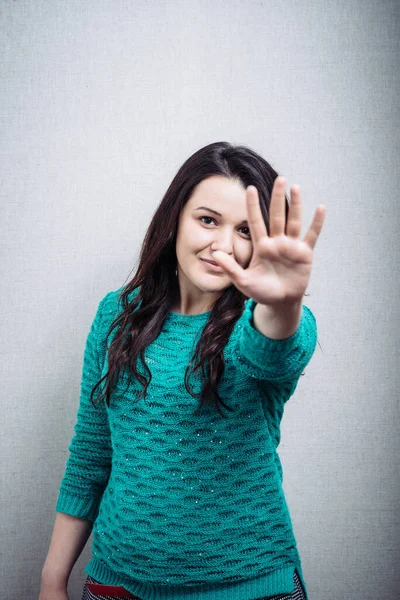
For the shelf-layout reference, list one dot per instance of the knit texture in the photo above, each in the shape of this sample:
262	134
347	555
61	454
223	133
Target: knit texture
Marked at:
188	506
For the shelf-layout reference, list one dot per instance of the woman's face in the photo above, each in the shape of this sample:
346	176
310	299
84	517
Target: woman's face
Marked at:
201	230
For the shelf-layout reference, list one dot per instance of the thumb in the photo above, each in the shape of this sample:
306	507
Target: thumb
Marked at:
228	263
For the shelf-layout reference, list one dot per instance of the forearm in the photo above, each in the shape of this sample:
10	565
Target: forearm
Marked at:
69	537
277	323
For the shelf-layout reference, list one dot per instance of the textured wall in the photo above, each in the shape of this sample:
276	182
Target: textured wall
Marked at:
101	103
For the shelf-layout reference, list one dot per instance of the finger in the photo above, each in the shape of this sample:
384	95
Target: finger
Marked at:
229	264
312	234
257	226
277	218
293	224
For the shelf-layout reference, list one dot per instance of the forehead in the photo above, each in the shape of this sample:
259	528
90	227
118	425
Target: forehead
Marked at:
220	193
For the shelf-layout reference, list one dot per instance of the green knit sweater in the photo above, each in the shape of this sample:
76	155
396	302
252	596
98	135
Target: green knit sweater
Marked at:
188	507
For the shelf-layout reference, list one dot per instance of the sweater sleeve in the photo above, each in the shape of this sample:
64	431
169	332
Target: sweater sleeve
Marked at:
277	361
89	464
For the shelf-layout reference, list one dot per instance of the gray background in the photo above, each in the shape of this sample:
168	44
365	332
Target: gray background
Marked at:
101	102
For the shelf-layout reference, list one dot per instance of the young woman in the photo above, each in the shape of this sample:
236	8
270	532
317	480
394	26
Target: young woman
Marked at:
174	468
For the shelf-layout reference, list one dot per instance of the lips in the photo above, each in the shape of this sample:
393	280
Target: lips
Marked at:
212	265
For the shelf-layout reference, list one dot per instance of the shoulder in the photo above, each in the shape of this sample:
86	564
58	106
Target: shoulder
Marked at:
111	304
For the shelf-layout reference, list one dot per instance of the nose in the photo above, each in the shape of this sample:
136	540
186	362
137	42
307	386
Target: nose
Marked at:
223	242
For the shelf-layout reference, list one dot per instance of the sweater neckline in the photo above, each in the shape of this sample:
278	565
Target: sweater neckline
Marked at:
174	317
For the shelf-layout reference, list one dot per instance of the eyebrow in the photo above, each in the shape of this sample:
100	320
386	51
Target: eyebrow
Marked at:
216	212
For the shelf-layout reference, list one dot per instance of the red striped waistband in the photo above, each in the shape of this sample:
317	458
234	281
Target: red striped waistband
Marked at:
115	591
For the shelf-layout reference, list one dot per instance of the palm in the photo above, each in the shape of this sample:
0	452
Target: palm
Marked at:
280	267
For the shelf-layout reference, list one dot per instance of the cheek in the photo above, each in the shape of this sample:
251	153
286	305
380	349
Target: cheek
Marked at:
189	241
249	255
244	250
194	238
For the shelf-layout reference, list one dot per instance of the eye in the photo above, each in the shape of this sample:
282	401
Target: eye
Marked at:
211	219
207	218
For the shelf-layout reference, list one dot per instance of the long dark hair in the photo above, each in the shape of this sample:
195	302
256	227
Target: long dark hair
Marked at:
155	281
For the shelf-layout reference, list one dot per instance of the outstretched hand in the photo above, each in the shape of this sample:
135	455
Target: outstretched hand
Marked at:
280	267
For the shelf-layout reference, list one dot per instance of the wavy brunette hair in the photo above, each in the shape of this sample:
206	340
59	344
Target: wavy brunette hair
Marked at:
155	276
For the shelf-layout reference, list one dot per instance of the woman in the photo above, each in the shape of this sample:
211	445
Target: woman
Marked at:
185	498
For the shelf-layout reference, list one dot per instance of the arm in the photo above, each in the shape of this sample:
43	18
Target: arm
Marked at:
276	360
69	537
89	464
277	323
87	470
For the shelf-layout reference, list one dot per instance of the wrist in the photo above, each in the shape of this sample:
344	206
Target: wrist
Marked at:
54	578
280	321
